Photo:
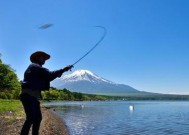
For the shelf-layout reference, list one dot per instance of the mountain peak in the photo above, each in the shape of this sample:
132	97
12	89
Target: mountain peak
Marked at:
84	75
82	72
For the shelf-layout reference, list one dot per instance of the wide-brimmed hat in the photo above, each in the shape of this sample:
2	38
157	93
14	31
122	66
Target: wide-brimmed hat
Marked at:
39	53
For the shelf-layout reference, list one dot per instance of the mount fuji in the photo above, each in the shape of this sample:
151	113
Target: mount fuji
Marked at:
85	81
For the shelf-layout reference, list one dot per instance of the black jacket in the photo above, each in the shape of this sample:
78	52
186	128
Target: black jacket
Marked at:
38	78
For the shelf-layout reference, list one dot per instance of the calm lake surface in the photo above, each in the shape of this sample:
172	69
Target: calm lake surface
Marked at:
116	118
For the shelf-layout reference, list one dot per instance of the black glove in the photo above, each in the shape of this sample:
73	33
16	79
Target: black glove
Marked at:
67	68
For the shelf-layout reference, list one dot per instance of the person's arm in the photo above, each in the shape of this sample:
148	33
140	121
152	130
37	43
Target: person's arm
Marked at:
51	75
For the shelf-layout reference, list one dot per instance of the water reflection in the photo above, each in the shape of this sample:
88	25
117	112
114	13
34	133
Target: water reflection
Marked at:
126	118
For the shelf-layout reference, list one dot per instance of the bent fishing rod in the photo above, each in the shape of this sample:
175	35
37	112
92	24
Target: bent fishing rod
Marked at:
45	26
97	43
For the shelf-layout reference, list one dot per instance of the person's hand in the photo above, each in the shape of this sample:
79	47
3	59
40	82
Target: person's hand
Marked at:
67	68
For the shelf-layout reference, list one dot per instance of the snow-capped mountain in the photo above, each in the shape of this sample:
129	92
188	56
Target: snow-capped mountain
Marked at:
87	82
84	75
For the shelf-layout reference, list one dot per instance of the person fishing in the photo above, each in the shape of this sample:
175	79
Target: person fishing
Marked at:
36	79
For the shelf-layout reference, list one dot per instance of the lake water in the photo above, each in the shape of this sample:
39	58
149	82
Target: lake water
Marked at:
116	118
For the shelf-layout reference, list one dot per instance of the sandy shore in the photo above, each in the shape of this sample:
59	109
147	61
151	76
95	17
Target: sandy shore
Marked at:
52	124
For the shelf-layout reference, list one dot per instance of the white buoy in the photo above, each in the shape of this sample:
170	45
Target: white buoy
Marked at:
131	107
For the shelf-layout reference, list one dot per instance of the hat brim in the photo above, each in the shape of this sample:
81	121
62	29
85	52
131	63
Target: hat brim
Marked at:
39	53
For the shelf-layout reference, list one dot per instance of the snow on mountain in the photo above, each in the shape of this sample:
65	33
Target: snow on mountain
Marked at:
87	82
84	75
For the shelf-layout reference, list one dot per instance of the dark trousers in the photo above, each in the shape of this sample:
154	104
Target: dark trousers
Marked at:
33	114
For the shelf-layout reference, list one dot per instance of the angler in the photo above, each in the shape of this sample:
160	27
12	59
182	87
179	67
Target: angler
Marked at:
36	79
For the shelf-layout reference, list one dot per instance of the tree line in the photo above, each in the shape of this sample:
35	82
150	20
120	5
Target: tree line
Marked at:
65	94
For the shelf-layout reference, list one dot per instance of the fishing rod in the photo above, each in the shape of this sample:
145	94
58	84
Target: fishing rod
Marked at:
97	43
45	26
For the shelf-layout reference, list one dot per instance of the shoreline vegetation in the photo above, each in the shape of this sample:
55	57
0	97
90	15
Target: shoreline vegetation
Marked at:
66	95
12	118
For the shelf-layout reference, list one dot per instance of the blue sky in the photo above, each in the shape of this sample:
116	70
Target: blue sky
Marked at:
146	47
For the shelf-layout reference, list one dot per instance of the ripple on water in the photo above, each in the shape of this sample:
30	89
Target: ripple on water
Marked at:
115	118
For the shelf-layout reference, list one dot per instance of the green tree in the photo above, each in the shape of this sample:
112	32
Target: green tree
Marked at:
0	58
9	83
77	96
86	97
97	97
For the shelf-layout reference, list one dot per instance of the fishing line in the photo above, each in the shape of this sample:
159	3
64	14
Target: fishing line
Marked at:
45	26
100	40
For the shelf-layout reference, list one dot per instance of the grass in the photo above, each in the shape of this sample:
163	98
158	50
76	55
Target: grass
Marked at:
11	108
10	105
